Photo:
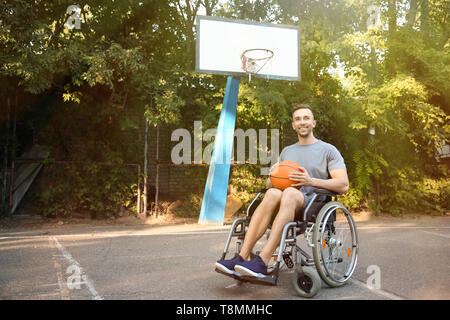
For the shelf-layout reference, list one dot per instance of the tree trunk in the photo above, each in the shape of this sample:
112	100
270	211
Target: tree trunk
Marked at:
425	18
412	13
392	24
144	214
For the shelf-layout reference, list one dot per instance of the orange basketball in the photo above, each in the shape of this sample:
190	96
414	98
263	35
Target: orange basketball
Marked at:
279	175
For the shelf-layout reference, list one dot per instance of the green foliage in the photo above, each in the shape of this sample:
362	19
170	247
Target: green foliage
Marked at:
87	187
408	191
352	200
132	60
245	181
396	75
191	206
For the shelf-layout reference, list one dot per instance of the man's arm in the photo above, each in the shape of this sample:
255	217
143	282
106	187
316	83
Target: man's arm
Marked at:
337	183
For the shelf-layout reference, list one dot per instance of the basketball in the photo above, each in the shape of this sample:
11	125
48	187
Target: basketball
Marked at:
279	175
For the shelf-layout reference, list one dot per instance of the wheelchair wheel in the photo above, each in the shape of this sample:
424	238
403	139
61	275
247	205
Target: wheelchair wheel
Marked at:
335	242
306	283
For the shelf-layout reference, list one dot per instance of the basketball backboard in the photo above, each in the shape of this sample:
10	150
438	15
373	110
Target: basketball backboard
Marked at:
221	43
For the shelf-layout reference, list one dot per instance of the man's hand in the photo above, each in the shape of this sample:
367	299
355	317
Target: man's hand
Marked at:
302	177
268	183
337	183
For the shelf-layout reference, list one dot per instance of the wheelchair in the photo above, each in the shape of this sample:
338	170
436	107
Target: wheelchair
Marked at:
330	233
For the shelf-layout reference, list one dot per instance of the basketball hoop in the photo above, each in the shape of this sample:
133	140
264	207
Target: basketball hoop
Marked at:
253	60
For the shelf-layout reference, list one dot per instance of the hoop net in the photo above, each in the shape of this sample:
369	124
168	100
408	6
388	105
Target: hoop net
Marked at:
253	60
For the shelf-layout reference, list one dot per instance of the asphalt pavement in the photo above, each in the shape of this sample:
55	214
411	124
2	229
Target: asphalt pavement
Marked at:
398	259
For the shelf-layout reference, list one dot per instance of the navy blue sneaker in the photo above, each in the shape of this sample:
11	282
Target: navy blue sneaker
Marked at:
227	266
254	268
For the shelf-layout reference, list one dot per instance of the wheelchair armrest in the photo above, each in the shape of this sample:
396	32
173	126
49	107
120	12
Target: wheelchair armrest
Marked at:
326	192
259	192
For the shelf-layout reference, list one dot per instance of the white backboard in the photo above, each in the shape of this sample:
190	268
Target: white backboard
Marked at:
221	42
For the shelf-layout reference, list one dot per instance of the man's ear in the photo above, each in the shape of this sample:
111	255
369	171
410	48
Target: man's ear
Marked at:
314	123
293	126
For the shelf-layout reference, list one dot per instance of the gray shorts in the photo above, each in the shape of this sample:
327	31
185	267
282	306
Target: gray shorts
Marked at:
313	210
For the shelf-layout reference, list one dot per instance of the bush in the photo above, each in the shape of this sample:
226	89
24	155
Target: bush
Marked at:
352	200
190	208
408	191
245	181
85	187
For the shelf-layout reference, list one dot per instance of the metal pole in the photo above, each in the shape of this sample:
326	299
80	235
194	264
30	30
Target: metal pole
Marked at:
138	204
157	172
5	161
215	195
11	189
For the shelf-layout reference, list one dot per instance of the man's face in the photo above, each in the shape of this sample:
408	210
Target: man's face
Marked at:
303	122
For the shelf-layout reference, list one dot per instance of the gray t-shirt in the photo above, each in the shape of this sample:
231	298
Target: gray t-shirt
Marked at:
317	158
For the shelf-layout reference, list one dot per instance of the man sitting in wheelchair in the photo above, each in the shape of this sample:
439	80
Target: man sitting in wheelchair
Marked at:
323	168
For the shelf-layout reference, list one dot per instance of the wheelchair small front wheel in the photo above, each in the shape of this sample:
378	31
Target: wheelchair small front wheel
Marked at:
335	242
306	283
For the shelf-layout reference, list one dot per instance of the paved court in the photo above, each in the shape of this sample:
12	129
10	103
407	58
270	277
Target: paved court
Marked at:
177	262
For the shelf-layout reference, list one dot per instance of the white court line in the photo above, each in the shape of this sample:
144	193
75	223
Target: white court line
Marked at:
68	256
399	227
436	234
379	292
64	292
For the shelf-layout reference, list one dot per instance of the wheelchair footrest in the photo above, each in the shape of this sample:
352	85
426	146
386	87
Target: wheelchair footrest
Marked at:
288	261
228	274
269	280
265	281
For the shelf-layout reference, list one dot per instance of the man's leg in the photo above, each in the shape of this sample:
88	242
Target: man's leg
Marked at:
260	220
258	225
292	200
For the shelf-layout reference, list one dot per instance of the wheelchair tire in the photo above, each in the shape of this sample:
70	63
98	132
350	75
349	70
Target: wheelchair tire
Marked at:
306	283
335	242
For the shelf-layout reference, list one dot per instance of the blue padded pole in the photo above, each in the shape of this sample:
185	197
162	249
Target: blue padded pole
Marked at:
215	195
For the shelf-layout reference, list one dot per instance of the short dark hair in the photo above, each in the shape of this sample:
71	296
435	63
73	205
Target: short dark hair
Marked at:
301	106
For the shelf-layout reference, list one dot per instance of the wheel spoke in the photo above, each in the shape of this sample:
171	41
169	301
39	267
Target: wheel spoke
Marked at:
336	256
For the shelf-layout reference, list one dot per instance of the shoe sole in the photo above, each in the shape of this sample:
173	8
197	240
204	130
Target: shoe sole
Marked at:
247	272
221	267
